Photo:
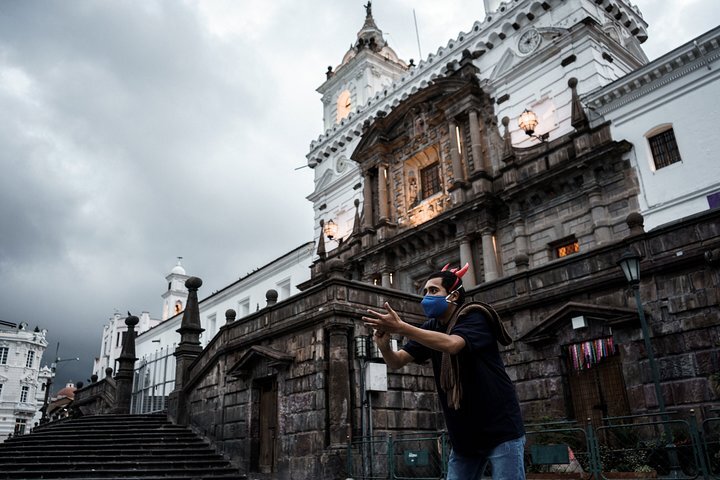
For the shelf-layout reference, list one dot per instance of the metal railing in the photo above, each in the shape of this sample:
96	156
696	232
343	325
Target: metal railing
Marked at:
419	456
640	447
153	381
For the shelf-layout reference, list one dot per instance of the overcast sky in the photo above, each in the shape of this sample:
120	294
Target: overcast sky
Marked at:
135	132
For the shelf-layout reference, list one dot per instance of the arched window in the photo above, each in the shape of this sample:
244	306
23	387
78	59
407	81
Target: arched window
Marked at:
178	307
664	149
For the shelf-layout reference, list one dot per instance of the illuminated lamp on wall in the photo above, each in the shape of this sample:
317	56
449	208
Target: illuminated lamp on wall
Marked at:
527	122
330	229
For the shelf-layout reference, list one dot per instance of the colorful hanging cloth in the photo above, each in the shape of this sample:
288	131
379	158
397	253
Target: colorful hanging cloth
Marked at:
587	354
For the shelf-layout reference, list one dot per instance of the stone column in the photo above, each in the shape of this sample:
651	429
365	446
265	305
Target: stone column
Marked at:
386	280
455	154
466	256
187	350
126	368
598	213
382	193
489	257
338	385
367	202
476	146
521	245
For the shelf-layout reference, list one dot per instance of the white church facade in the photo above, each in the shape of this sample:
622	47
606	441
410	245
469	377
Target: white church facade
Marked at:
526	52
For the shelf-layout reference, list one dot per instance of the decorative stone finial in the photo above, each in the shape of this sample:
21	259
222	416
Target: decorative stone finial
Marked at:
108	372
93	378
578	119
79	385
230	315
635	222
356	221
271	296
132	320
321	241
193	283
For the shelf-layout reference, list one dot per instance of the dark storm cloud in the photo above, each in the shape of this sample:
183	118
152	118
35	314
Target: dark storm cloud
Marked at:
133	132
127	136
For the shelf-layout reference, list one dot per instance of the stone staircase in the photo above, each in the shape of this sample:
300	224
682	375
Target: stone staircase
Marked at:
146	447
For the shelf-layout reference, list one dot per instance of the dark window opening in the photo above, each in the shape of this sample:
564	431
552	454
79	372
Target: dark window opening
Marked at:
664	149
430	180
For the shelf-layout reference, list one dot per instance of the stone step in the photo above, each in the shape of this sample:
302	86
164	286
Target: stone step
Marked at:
220	476
180	474
101	426
120	434
142	447
134	447
89	457
112	464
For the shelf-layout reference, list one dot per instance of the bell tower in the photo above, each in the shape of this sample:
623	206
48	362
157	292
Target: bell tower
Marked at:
176	294
367	70
368	66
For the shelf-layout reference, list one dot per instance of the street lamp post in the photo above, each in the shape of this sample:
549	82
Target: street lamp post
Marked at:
362	354
630	264
48	384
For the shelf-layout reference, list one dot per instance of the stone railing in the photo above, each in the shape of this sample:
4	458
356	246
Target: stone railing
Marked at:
97	397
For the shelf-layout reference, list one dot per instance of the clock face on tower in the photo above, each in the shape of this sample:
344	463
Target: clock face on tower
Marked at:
528	41
343	105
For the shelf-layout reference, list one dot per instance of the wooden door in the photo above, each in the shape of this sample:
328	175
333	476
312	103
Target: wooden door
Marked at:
599	391
268	420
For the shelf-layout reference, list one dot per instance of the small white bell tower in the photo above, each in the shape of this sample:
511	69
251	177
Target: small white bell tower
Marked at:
176	295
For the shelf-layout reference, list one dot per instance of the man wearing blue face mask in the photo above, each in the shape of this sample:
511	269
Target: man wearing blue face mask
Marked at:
482	413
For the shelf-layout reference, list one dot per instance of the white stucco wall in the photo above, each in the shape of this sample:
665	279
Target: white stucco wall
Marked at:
684	96
534	80
15	374
289	270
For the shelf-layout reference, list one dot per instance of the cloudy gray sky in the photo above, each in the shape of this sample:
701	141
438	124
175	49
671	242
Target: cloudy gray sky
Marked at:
132	132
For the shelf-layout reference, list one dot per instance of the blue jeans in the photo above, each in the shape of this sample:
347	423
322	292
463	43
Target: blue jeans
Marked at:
506	459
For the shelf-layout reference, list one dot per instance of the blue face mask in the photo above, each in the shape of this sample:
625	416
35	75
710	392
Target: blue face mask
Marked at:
434	305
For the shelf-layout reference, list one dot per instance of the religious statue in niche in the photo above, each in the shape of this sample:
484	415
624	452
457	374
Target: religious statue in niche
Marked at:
412	189
419	127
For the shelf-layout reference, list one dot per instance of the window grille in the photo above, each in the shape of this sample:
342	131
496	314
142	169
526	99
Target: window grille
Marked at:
430	180
664	149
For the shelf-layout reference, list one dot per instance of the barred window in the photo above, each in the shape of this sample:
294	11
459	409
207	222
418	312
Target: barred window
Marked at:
3	355
664	149
430	180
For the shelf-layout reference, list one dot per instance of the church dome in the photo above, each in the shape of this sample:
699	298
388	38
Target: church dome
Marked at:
178	269
67	392
370	37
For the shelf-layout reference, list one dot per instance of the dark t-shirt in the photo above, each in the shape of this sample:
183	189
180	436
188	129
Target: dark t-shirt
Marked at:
489	411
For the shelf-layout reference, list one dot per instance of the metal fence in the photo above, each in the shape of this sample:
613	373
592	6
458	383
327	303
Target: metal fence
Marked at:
153	381
418	456
640	447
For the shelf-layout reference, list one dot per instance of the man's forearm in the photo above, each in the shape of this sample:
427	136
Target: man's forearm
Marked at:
439	341
392	358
